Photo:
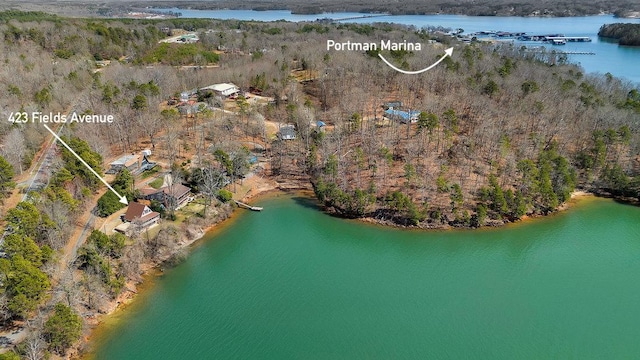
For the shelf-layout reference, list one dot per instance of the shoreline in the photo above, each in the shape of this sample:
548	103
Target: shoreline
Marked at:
576	196
388	11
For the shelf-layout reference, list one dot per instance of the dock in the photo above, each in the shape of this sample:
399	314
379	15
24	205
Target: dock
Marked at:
561	52
247	206
330	20
569	38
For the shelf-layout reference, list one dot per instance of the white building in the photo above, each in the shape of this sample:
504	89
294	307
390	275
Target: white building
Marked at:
223	89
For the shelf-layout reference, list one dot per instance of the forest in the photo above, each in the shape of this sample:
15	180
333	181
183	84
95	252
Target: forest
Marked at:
475	8
499	133
621	8
625	34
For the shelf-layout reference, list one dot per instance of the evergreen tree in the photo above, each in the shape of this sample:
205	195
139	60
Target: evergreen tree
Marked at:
62	329
6	177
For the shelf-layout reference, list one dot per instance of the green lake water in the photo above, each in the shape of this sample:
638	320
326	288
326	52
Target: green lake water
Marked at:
294	283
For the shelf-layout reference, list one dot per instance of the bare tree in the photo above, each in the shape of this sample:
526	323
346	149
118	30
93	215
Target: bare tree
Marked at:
35	346
14	149
213	178
131	259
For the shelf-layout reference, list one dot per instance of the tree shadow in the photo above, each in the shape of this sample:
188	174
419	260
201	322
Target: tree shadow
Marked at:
307	202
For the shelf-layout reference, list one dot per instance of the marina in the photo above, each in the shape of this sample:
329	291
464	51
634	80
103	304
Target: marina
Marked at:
555	39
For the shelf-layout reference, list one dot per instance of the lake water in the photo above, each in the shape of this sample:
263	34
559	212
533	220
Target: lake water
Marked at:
294	283
620	61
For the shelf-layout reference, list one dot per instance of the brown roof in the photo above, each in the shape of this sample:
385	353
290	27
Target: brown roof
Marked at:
177	190
135	210
149	191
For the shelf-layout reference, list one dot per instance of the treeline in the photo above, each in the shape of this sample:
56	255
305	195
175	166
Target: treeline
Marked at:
34	233
625	34
478	8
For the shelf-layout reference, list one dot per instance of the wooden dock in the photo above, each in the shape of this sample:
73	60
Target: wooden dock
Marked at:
247	206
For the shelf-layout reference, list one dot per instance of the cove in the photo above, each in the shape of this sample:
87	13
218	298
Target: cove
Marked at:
294	283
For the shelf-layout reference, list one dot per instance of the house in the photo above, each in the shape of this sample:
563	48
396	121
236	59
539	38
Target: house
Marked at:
146	164
287	132
402	116
175	195
186	95
139	214
142	214
130	162
223	89
134	163
151	194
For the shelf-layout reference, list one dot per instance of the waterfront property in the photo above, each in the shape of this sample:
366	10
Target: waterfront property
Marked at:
139	214
176	195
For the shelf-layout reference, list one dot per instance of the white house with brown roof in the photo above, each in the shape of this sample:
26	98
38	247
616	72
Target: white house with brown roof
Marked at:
140	214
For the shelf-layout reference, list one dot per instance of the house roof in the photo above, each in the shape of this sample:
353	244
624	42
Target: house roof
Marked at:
221	87
149	191
135	211
403	114
126	160
288	131
176	190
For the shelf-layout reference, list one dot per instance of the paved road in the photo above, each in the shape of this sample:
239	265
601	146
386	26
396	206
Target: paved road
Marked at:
40	178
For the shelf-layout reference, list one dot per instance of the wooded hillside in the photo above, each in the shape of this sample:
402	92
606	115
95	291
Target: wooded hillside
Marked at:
626	34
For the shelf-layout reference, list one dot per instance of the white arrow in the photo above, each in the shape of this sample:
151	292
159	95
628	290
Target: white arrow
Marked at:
123	199
447	52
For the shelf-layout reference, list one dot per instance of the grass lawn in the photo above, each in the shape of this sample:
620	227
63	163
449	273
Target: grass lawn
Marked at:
147	173
194	208
157	183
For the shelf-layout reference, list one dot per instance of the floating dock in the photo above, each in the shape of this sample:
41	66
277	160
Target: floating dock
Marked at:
569	38
247	206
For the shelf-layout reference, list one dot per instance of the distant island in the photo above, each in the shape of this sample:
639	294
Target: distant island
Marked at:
625	34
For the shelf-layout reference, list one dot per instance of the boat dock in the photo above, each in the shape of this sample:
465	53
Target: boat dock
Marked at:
561	52
521	36
247	206
568	38
330	20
